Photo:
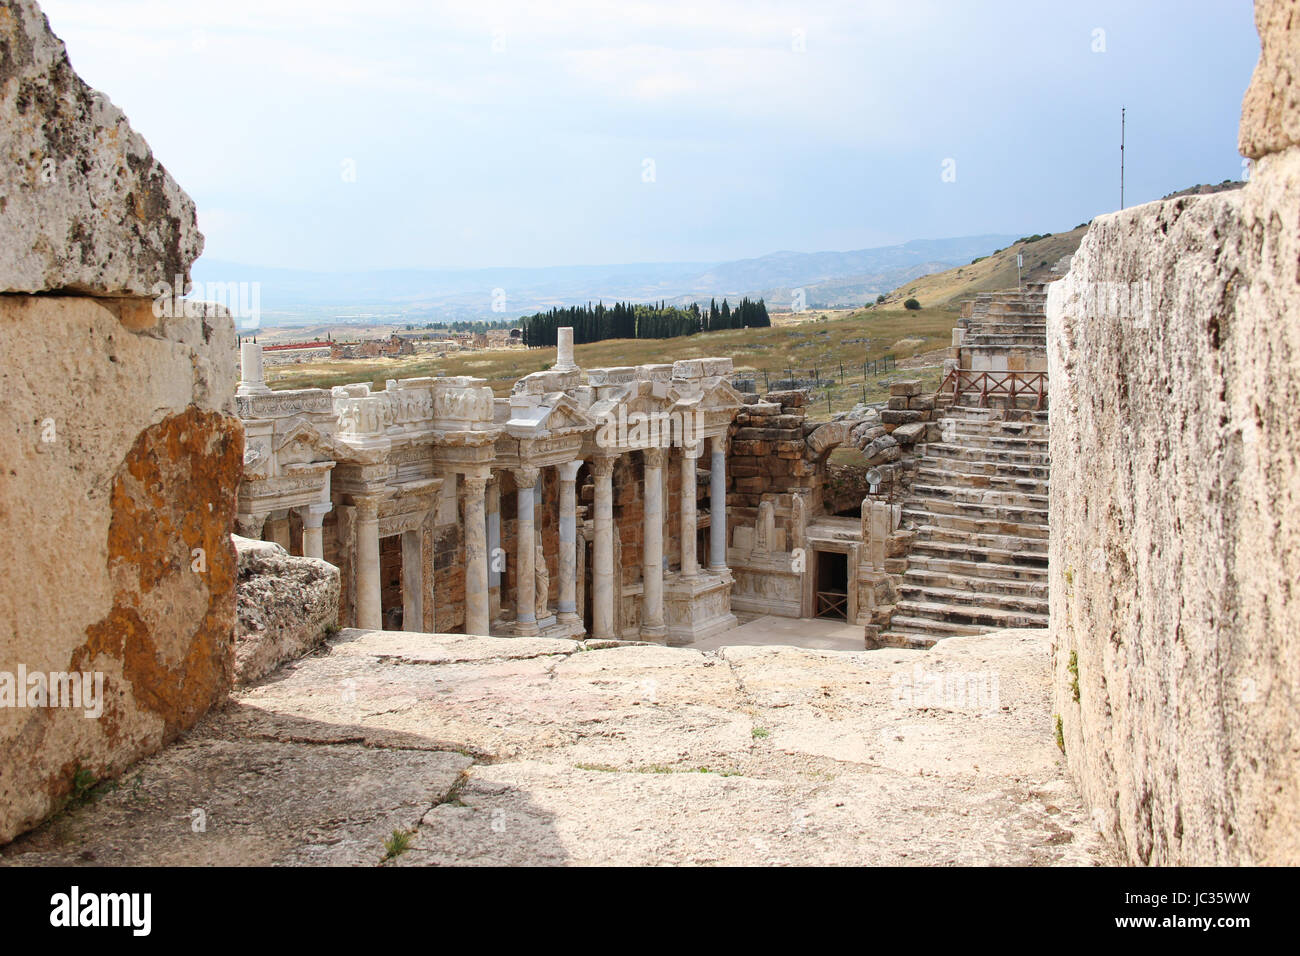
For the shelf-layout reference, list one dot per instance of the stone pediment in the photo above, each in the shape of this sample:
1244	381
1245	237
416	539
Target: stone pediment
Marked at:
302	442
553	415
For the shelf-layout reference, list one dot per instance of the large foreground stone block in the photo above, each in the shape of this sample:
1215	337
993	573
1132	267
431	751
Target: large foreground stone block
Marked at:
120	458
84	206
1175	512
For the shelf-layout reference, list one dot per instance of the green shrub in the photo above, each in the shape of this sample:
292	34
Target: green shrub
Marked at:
912	304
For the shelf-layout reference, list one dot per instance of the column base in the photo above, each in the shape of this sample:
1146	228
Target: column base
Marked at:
526	629
655	633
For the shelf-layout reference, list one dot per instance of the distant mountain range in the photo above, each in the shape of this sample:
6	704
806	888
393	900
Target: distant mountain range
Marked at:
841	279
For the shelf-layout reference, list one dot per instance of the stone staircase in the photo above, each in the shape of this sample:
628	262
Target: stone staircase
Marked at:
978	561
979	507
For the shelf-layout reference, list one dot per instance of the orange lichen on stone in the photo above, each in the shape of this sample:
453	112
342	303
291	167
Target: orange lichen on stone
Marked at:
173	509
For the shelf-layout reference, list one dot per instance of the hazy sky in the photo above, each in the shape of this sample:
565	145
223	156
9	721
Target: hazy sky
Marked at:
531	134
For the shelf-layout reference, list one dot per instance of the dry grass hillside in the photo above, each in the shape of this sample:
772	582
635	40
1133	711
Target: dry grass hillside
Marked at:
947	290
824	343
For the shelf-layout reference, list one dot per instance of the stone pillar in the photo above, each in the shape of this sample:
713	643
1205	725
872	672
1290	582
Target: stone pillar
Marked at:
525	569
477	620
690	562
652	554
313	541
412	581
602	556
369	599
494	547
718	505
568	603
251	381
564	351
250	525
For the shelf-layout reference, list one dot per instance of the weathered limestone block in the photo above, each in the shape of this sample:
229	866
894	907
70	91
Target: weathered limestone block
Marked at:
892	416
121	451
792	399
84	206
287	606
122	461
908	388
1270	113
1174	356
909	434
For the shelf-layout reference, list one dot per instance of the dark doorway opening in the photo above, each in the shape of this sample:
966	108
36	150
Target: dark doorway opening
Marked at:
832	593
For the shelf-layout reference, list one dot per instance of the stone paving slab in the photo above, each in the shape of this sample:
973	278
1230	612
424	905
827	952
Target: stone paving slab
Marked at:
536	751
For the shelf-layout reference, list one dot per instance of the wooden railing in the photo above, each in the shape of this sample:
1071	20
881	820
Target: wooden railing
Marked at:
833	604
999	384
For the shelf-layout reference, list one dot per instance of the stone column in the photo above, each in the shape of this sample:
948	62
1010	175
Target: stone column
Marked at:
568	603
412	581
250	525
652	554
251	381
602	556
718	505
494	547
313	541
564	351
525	545
690	562
369	599
476	558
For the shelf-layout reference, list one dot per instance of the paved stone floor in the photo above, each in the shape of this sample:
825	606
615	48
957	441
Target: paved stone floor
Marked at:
534	751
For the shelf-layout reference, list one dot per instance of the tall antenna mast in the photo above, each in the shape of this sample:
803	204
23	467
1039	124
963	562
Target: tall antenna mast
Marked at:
1121	157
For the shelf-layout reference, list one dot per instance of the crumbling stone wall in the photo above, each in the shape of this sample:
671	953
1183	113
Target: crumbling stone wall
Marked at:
1174	357
120	448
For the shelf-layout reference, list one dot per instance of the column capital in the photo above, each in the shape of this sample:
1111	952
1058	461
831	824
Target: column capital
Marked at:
367	507
526	476
569	470
653	457
473	485
250	525
313	516
602	466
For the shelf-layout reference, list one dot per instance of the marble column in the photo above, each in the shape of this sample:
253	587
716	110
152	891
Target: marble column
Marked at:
369	599
602	556
718	505
476	557
251	381
568	603
413	580
496	557
652	541
690	562
313	541
525	547
250	525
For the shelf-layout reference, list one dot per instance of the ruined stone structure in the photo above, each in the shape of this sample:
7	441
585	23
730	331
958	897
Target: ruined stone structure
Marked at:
446	508
1175	548
120	447
978	508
